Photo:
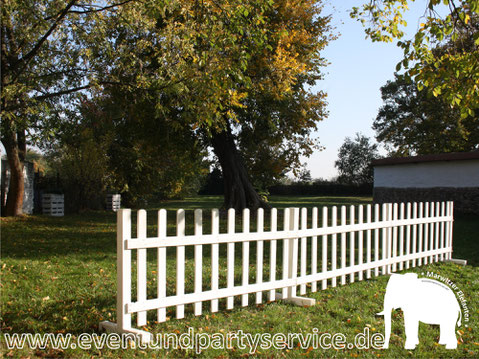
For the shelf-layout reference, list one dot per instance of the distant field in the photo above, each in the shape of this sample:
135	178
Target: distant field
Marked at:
59	276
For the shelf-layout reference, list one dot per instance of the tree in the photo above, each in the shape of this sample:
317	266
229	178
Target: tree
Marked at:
237	74
203	66
44	59
415	122
134	151
271	125
452	72
354	160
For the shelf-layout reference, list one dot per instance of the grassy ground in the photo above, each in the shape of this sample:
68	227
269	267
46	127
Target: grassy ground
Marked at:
59	276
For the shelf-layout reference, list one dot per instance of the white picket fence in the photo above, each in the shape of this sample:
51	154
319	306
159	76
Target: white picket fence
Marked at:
371	240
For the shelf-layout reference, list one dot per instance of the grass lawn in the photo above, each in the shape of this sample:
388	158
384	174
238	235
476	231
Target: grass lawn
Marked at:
59	276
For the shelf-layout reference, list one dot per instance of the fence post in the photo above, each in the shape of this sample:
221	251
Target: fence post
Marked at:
141	265
290	260
123	278
351	242
123	268
161	263
303	256
293	250
451	221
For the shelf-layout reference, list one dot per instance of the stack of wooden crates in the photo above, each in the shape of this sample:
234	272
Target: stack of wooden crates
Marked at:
113	202
53	204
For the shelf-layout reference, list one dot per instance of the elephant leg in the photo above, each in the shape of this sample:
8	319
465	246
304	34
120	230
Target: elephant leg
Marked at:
442	329
411	324
449	334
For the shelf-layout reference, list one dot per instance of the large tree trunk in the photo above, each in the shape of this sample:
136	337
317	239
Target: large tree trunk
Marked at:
239	192
15	147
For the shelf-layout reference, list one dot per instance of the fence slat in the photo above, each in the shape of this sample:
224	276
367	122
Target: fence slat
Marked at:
343	244
141	266
426	231
198	260
334	245
123	274
293	250
286	226
414	233
180	262
395	236
389	237
376	239
324	249
230	281
352	242
433	230
303	261
420	232
408	233
360	241
215	229
451	223
259	254
401	235
272	255
368	240
384	214
436	244
161	263
244	297
443	213
314	248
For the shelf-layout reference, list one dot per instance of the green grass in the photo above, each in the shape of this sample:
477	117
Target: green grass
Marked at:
59	276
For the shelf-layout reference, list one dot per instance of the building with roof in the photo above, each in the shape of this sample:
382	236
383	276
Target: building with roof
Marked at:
437	177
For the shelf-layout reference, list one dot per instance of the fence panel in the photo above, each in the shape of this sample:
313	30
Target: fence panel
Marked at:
390	237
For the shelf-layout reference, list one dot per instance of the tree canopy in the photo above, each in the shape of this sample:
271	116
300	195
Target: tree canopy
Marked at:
452	72
354	160
234	75
413	122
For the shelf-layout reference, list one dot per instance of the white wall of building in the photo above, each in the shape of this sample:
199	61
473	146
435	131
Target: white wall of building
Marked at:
428	174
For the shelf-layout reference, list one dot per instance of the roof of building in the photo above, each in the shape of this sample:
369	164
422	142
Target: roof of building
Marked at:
453	156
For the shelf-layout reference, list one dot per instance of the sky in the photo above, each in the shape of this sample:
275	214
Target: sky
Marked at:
352	82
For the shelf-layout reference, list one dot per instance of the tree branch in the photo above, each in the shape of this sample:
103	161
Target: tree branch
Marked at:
60	93
28	57
99	9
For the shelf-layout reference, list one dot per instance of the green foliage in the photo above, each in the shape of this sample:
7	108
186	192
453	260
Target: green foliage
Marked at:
82	168
137	154
354	160
416	122
452	72
197	68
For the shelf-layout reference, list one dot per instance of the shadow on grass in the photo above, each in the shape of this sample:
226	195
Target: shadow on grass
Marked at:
41	237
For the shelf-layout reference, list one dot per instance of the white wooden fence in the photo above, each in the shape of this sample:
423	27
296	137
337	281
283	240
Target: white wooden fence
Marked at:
304	252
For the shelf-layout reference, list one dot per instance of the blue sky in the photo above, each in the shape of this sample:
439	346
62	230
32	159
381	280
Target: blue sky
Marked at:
353	79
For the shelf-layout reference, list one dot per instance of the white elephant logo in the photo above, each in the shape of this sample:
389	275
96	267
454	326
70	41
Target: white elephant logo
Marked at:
424	300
